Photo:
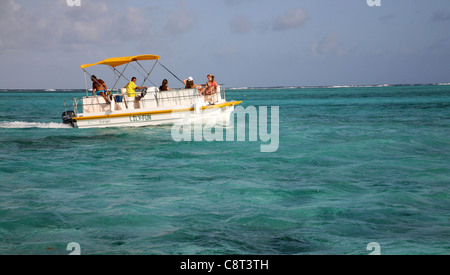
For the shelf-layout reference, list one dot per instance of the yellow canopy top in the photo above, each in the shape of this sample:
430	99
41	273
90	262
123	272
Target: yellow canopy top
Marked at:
117	61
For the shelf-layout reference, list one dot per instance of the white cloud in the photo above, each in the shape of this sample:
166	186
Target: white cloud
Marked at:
58	26
328	45
292	19
241	24
440	16
180	20
13	24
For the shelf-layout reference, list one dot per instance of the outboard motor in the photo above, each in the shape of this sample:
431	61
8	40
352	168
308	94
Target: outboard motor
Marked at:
67	118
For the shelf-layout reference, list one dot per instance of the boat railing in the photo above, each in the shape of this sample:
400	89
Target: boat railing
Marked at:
153	99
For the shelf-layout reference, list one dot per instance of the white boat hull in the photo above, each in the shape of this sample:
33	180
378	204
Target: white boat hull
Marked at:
150	107
156	108
142	119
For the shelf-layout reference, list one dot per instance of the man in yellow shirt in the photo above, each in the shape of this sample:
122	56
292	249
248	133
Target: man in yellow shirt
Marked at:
131	88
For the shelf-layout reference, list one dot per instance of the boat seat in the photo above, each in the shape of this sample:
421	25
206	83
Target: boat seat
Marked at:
95	104
152	90
130	102
149	101
119	105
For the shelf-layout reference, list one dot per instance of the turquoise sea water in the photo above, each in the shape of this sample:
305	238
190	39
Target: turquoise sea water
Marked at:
354	165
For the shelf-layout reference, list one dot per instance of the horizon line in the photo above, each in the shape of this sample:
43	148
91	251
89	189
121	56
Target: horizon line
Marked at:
260	87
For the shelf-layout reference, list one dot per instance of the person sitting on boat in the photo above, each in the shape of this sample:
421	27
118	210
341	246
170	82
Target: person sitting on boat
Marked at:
131	88
190	83
210	86
164	86
99	88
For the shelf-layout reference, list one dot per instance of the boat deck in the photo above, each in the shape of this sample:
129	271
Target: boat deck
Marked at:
153	100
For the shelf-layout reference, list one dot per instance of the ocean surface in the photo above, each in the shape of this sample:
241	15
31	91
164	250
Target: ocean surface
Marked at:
354	165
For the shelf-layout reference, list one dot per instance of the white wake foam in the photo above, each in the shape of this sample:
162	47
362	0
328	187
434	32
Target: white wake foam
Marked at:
22	124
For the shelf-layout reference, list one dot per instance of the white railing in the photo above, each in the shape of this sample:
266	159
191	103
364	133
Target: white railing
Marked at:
153	99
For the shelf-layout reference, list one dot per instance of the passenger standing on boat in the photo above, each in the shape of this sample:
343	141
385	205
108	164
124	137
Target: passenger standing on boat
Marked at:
131	88
164	86
99	88
190	83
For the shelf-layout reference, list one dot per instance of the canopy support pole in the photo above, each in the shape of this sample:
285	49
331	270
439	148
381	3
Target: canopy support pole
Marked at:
148	74
120	74
85	82
86	72
171	72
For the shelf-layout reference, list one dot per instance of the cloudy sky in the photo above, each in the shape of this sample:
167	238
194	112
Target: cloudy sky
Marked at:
244	43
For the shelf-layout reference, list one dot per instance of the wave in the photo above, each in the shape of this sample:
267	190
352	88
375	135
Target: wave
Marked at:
239	88
24	125
336	86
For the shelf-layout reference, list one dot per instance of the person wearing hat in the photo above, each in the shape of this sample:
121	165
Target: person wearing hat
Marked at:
189	82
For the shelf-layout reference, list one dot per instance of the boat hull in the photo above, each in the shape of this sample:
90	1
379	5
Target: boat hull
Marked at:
220	114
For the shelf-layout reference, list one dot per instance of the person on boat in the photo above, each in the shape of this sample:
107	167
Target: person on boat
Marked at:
131	88
99	88
189	83
210	86
164	86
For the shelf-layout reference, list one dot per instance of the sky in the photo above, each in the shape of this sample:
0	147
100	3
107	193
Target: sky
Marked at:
244	43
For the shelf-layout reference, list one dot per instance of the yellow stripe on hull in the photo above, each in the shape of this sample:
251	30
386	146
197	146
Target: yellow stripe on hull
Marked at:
226	104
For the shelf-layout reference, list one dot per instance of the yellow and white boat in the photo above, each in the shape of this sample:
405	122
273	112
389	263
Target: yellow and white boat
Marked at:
153	108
